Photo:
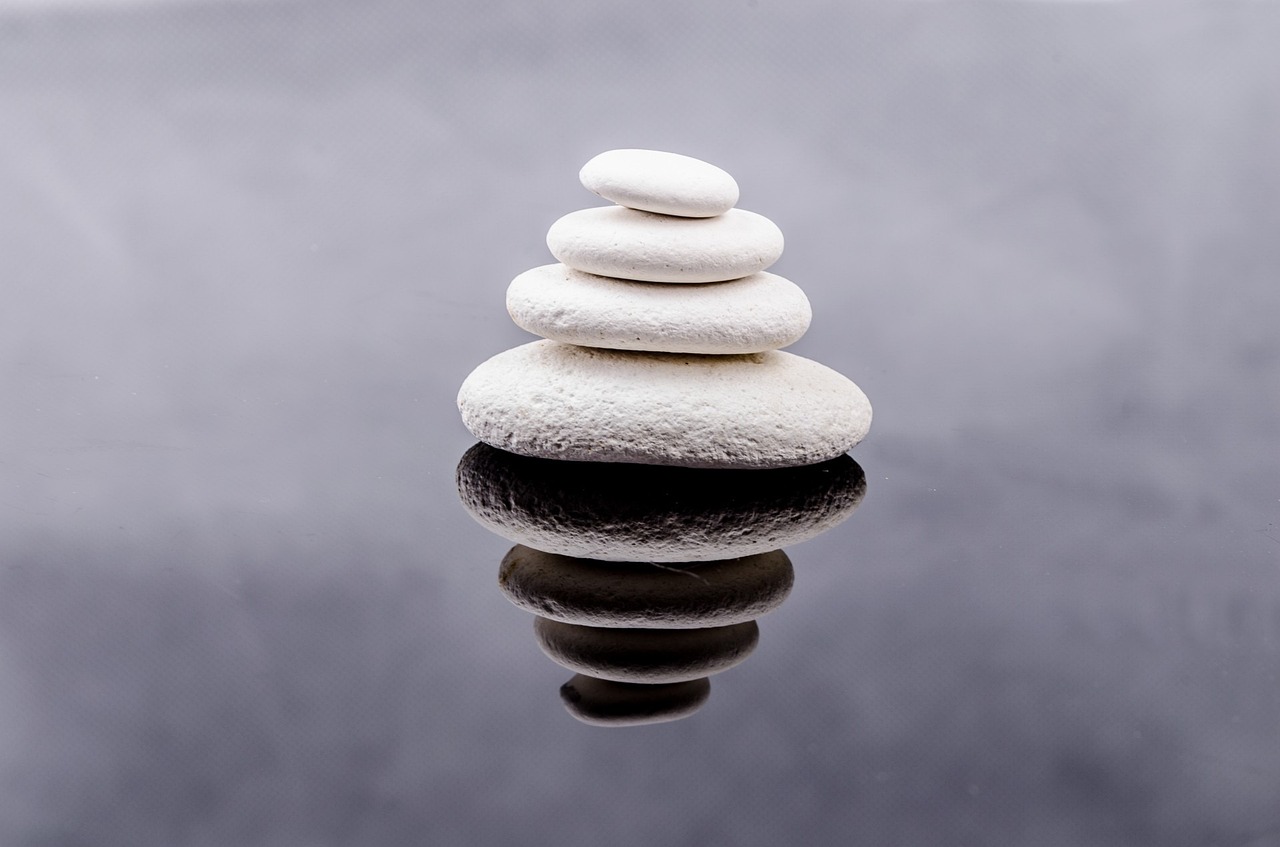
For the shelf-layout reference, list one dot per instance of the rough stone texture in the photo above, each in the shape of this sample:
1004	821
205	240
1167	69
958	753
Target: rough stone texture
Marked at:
645	594
762	410
748	315
624	243
603	702
667	183
646	655
650	513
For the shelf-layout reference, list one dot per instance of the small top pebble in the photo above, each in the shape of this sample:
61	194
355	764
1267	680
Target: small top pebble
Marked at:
665	183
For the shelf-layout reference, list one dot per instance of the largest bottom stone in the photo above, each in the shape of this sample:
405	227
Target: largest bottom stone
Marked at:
762	410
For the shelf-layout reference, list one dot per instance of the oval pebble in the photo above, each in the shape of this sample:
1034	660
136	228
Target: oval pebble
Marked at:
759	312
646	655
603	702
762	410
654	181
651	513
628	244
642	594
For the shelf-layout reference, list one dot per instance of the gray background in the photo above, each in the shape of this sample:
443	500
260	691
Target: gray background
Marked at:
249	251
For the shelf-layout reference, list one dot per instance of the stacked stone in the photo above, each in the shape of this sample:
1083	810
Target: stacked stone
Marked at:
661	345
662	332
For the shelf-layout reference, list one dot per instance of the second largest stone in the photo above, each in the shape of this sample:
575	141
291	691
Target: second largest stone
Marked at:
762	410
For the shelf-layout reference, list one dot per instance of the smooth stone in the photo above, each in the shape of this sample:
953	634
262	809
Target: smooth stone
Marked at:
627	244
603	702
666	183
646	655
651	513
761	410
748	315
645	594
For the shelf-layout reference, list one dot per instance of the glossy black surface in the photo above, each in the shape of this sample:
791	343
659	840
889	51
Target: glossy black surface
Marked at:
249	251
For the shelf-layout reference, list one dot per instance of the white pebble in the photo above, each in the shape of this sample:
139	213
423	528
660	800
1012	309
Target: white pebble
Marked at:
761	410
624	243
758	312
667	183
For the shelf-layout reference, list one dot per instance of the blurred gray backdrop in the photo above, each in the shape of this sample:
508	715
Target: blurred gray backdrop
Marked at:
248	250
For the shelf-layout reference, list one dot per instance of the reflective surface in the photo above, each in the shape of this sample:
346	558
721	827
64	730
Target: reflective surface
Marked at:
646	577
251	250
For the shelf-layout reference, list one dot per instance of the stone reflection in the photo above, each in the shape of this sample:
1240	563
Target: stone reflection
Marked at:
646	655
654	513
603	702
593	592
646	580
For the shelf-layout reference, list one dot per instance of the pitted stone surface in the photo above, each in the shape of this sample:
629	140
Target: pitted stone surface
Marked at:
748	315
763	410
654	181
624	243
654	513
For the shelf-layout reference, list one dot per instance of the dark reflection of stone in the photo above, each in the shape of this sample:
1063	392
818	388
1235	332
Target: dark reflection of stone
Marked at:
604	702
646	655
621	512
645	579
643	594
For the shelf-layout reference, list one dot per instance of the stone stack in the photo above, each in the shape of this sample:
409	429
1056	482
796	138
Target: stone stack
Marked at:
662	332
